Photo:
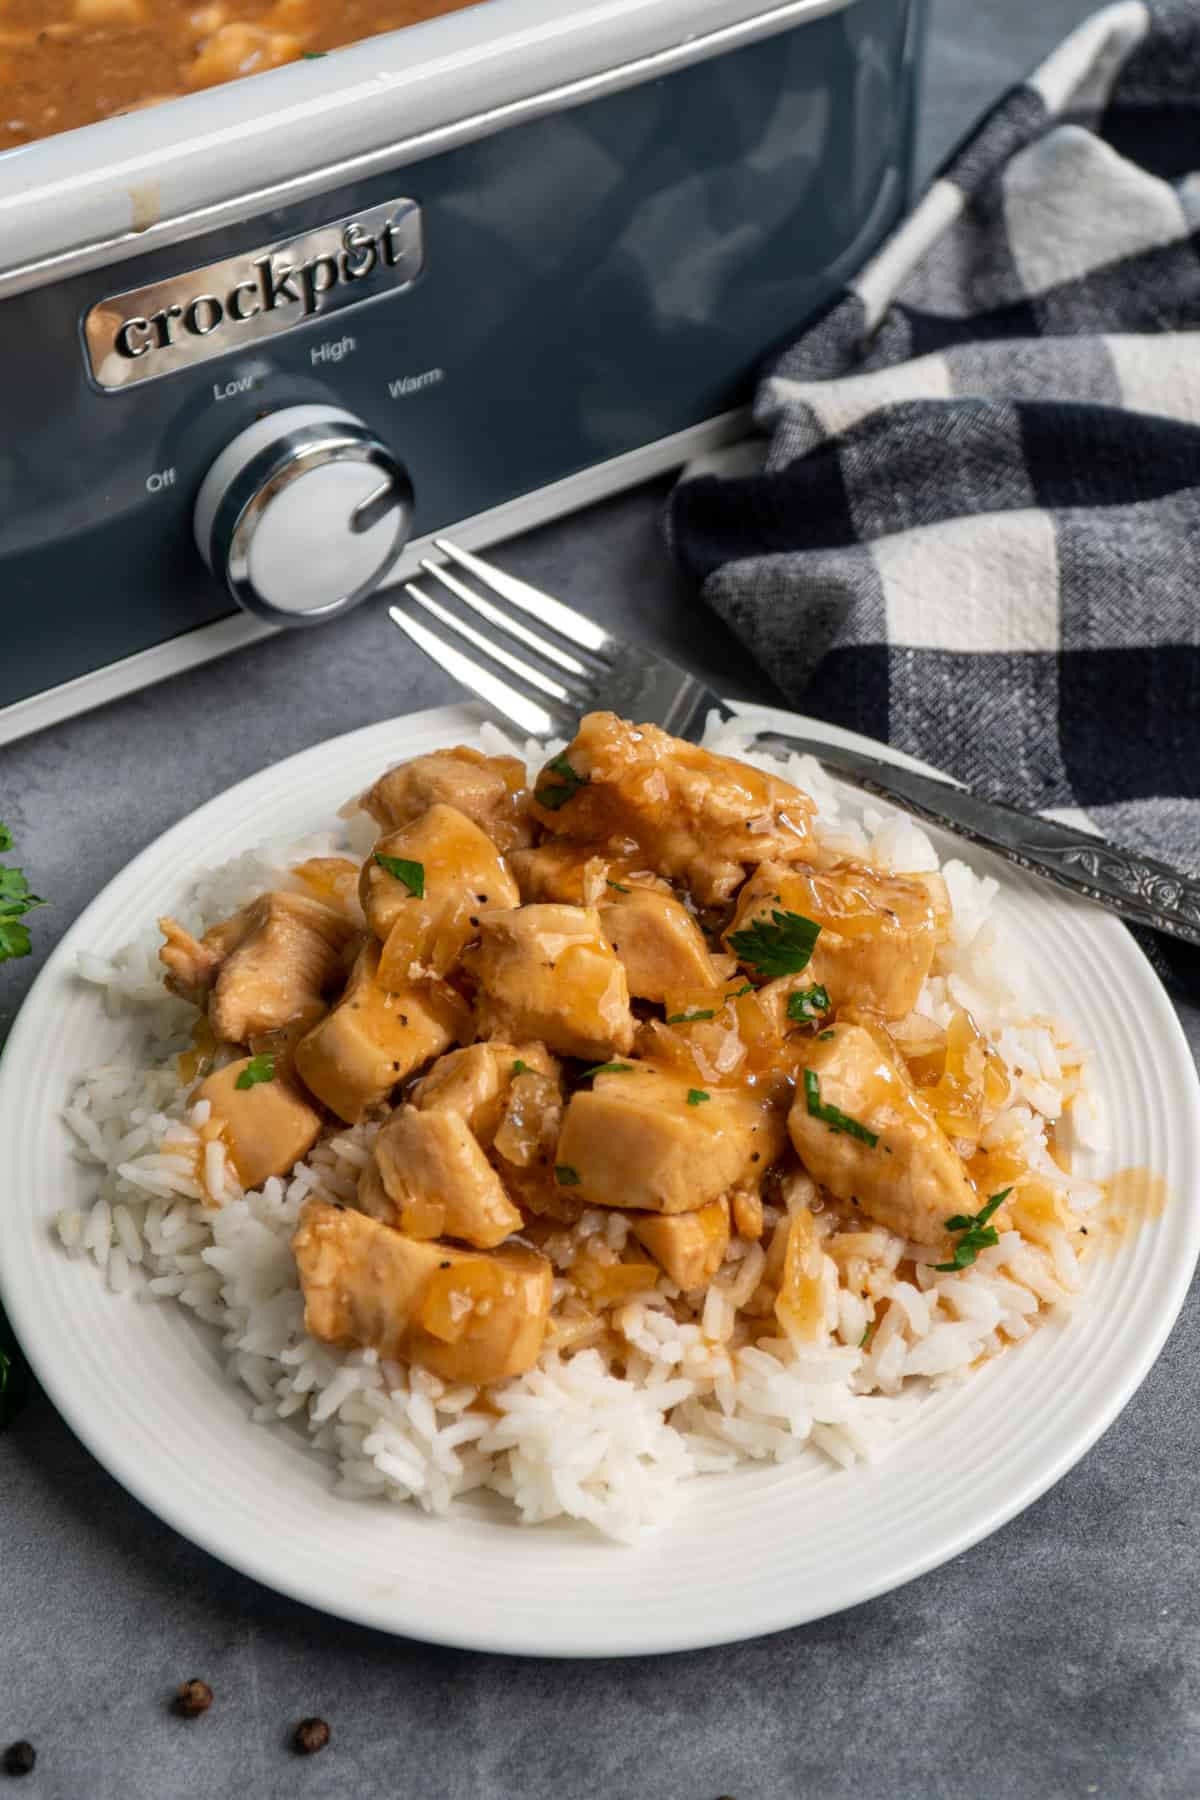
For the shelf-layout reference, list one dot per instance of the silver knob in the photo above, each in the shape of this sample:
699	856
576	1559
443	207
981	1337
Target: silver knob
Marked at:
303	514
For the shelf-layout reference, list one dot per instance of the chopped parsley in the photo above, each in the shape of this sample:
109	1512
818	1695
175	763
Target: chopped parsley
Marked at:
565	1175
15	901
520	1068
259	1068
554	794
412	874
865	1340
697	1096
782	946
837	1121
312	55
977	1234
619	888
807	1004
692	1018
823	1037
747	987
613	1068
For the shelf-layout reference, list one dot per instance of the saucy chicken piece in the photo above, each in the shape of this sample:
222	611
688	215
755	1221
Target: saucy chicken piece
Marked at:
465	1315
693	816
458	874
490	790
647	1140
911	1179
373	1198
524	1145
441	1182
333	879
372	1040
266	1128
273	962
475	1082
547	972
689	1246
878	932
659	942
574	873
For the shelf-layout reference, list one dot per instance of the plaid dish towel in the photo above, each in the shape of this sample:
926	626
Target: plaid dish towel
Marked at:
976	529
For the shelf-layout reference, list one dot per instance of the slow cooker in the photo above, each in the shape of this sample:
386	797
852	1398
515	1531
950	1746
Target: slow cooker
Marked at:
259	345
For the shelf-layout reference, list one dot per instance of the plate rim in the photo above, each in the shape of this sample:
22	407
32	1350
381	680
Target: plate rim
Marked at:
393	1618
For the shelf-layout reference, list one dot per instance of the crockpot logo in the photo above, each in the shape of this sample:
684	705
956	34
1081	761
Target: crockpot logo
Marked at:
175	324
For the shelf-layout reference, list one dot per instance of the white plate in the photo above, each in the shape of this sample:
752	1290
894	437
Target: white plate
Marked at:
747	1553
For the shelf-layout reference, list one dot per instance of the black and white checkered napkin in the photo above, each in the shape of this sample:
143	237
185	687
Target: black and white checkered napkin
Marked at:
976	532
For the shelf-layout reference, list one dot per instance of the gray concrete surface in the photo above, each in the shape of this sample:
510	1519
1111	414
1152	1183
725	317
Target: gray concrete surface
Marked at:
1061	1658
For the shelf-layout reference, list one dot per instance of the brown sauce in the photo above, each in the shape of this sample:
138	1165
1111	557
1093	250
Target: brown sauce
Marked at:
1132	1198
65	63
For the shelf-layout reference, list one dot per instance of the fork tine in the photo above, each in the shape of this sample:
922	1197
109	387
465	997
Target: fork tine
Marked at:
525	672
563	619
502	698
561	658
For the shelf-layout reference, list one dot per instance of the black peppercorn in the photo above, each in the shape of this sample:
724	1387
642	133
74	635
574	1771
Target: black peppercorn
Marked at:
192	1698
19	1758
310	1736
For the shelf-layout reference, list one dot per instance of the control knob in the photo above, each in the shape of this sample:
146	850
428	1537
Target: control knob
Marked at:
303	514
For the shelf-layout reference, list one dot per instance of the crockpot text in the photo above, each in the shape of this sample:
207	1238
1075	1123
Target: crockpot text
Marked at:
276	282
177	323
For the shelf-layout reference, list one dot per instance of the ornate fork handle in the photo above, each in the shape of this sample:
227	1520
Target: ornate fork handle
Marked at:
1139	888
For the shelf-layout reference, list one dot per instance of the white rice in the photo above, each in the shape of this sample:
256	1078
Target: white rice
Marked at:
573	1437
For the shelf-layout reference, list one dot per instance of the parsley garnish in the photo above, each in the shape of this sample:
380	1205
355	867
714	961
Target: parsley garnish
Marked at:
747	987
823	1037
867	1335
782	947
692	1018
833	1116
259	1068
312	55
15	901
977	1234
565	788
614	1068
697	1096
619	888
565	1175
807	1004
412	874
520	1068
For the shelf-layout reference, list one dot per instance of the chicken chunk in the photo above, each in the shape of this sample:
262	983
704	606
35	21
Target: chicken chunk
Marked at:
372	1040
266	1128
576	874
659	942
441	1181
273	962
691	815
689	1246
878	932
475	1082
646	1140
465	1315
333	879
546	972
456	874
489	789
911	1178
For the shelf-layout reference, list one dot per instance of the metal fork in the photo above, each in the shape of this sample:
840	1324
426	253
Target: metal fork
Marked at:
581	666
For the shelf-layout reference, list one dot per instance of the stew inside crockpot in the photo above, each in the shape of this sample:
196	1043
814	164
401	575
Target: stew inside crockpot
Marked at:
69	62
